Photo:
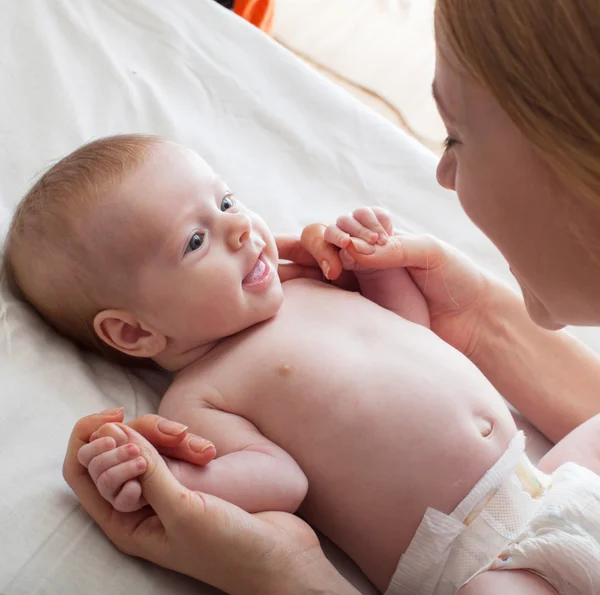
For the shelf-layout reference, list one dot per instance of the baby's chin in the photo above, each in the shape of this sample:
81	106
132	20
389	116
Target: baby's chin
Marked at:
276	297
268	304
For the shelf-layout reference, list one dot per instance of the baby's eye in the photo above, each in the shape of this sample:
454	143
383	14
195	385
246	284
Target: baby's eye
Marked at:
227	202
195	242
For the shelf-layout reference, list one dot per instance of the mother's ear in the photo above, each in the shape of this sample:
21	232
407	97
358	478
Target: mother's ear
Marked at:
121	330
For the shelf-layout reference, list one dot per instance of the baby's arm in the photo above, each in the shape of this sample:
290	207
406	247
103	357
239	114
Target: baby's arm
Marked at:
393	288
249	471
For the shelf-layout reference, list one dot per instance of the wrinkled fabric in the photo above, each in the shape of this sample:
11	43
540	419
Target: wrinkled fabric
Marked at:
292	145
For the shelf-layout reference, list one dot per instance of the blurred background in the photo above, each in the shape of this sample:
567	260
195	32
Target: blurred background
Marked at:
380	51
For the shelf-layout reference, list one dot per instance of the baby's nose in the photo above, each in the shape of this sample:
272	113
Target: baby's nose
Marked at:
240	228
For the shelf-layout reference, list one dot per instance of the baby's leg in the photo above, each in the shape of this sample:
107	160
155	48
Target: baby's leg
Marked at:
581	446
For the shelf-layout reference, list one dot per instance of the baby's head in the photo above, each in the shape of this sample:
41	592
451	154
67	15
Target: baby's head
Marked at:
134	243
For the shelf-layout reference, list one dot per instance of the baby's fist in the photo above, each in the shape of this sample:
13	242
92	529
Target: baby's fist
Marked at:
364	228
371	225
114	465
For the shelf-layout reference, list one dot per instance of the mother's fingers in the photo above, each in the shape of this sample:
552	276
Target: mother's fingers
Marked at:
193	449
158	430
291	270
290	248
410	251
162	491
314	242
172	439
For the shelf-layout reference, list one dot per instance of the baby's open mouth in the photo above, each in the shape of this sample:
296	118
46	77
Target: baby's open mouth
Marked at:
261	273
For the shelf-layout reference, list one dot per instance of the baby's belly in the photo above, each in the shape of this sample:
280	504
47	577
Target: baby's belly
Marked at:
385	419
369	494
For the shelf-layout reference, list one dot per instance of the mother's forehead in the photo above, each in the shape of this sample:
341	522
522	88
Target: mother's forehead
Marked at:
462	100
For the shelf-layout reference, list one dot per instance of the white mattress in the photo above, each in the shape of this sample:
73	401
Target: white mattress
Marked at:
290	143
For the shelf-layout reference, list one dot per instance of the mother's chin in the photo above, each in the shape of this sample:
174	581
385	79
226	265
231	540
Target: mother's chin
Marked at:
539	313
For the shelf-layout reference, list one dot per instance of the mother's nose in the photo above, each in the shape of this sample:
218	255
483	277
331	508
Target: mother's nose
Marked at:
446	171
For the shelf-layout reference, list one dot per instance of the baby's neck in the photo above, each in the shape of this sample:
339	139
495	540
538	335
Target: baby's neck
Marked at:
175	362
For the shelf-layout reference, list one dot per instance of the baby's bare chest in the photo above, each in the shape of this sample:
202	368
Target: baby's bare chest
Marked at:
322	341
334	362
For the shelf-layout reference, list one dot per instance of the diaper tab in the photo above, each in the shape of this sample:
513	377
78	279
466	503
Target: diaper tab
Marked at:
421	567
490	482
449	549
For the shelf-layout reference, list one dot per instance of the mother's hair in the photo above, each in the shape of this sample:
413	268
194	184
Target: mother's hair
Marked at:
540	60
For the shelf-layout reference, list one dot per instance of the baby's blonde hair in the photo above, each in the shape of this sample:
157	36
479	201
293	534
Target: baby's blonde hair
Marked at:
540	60
49	259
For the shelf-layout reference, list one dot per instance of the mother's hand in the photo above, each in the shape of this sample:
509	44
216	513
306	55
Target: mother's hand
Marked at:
196	534
456	290
303	263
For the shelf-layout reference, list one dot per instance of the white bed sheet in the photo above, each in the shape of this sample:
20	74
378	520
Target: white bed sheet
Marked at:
291	144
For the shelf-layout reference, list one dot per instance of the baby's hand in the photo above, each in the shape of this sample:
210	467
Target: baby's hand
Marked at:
114	469
393	289
364	228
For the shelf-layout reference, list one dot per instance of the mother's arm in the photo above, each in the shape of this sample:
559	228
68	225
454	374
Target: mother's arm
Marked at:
549	376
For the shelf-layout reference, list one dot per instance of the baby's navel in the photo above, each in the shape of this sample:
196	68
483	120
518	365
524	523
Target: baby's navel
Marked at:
485	426
285	369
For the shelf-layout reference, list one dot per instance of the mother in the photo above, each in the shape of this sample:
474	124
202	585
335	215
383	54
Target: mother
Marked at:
518	85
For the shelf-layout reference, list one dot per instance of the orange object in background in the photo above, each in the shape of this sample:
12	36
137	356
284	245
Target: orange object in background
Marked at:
258	12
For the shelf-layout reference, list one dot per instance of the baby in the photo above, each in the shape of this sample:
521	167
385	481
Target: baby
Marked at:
316	399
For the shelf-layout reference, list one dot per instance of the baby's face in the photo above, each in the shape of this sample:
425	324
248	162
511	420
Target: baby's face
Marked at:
208	265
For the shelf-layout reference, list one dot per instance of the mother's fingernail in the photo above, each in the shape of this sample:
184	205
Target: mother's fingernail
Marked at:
111	412
200	446
362	246
325	267
171	428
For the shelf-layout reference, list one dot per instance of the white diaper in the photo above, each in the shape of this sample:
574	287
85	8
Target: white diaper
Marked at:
515	517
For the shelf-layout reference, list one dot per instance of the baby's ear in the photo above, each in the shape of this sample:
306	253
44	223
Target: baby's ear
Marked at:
123	331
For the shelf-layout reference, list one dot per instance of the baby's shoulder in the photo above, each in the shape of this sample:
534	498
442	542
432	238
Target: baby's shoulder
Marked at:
192	389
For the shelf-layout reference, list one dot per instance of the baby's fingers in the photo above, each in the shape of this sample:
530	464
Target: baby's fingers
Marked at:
110	430
336	236
98	465
130	498
111	481
347	261
351	226
95	448
377	220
